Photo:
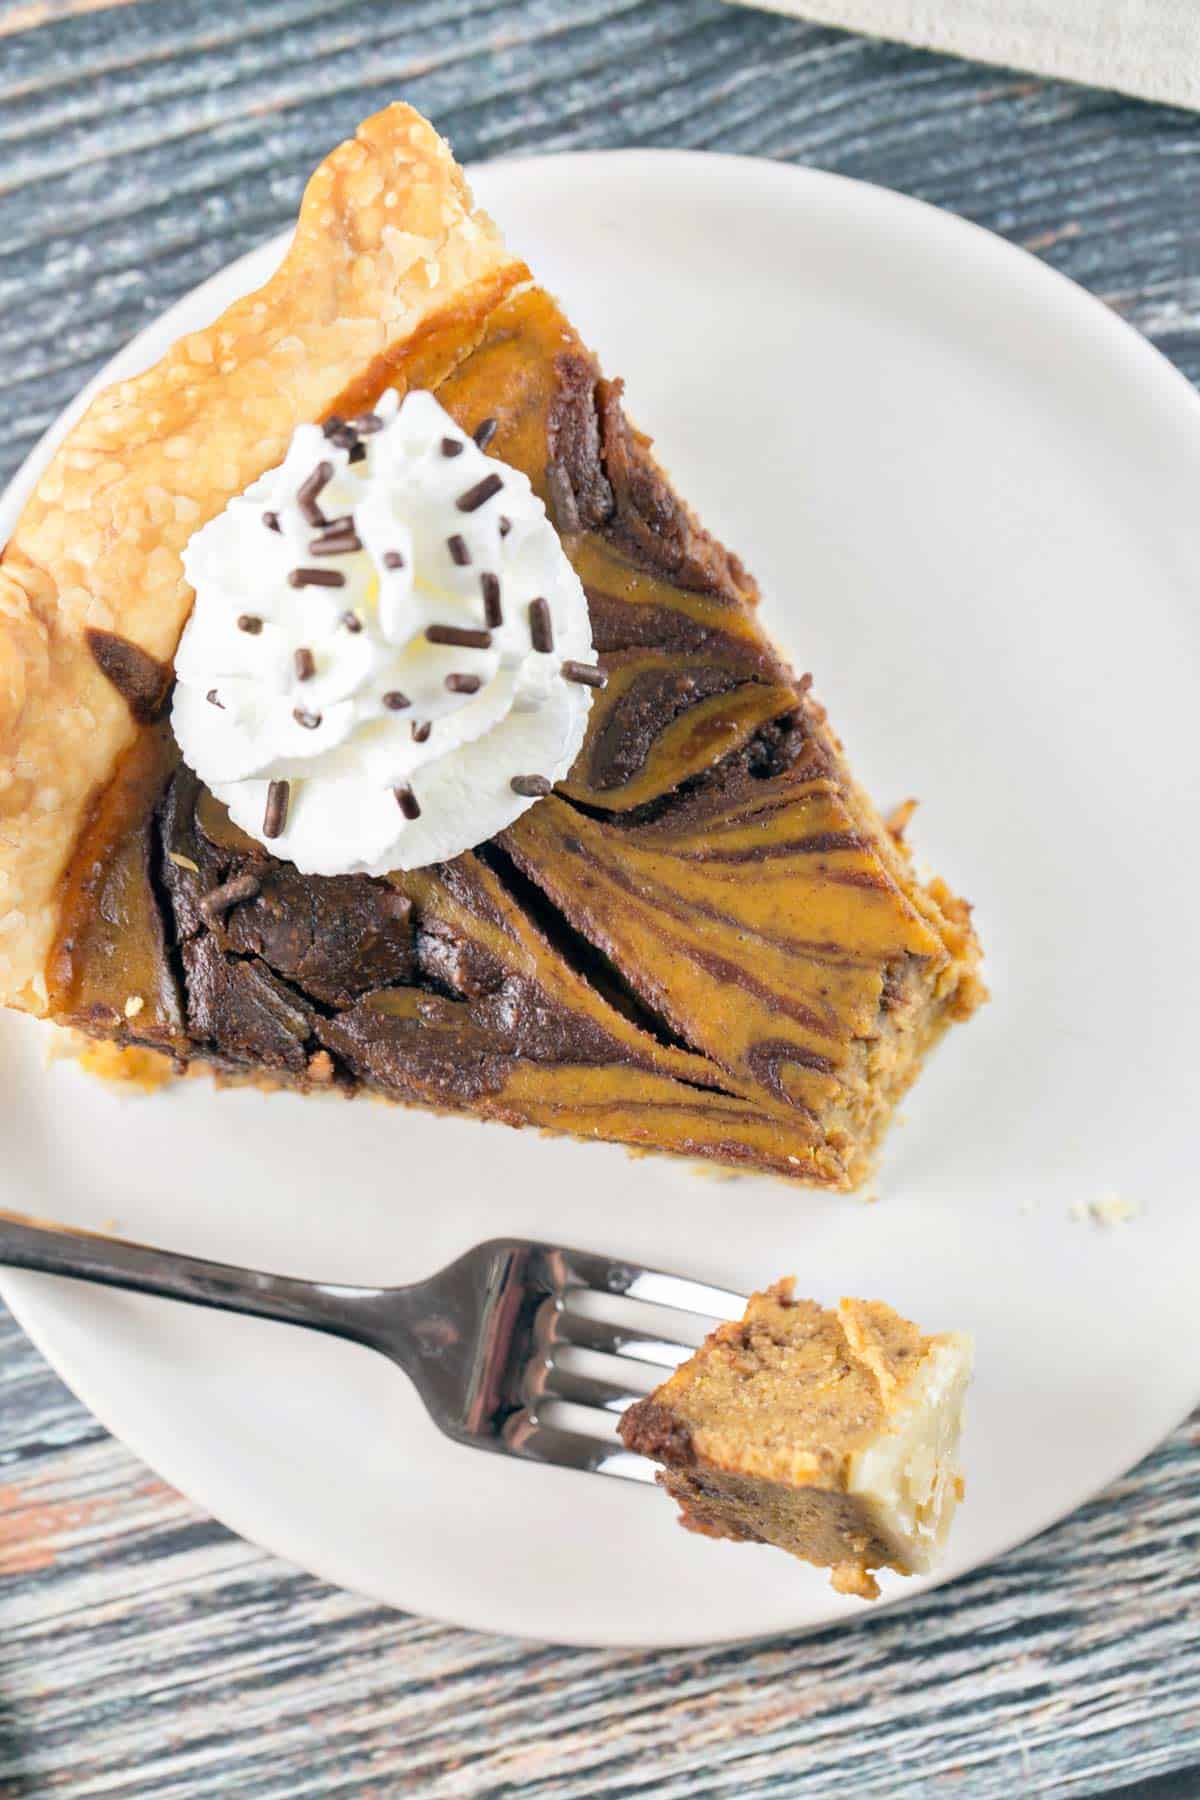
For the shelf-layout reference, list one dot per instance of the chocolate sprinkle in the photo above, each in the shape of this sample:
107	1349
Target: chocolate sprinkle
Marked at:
211	697
271	521
421	729
493	613
505	526
406	800
358	452
463	635
457	547
305	664
309	720
485	431
392	559
452	446
586	674
299	578
395	701
541	626
530	787
475	496
333	423
230	893
463	684
335	543
249	622
351	621
345	437
306	494
366	423
279	793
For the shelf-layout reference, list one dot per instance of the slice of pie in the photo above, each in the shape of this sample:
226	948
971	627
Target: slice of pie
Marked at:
704	940
832	1434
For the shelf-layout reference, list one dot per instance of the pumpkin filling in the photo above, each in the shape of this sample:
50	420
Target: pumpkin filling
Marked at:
704	941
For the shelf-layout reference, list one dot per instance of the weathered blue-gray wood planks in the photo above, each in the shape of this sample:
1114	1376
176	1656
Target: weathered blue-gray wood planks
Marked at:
142	1650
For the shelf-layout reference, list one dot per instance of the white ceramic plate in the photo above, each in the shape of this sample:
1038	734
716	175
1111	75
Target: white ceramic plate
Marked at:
971	497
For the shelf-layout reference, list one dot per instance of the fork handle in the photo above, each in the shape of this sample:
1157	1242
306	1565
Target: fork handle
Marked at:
141	1269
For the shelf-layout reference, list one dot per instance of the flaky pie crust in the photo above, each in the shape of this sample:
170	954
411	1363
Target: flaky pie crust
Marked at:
387	242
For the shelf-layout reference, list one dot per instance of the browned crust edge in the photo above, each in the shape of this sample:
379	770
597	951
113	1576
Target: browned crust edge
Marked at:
387	241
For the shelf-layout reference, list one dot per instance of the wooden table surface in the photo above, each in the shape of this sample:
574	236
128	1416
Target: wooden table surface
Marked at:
145	1651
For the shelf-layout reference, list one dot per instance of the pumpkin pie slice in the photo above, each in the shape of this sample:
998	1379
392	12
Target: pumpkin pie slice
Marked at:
703	940
831	1433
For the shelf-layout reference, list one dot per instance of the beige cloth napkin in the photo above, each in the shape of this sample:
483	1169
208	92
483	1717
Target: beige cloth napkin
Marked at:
1145	47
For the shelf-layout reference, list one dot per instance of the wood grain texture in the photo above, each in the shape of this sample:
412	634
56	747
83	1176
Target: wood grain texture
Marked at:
143	1651
23	17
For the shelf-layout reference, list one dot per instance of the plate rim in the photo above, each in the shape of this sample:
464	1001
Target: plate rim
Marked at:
1119	337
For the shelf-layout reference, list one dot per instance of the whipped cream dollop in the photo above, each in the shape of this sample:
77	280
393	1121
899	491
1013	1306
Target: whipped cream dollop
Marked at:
389	658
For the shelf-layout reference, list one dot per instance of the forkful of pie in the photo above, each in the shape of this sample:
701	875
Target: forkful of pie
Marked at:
831	1433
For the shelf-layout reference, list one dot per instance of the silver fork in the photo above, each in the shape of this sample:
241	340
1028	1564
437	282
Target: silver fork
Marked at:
487	1342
